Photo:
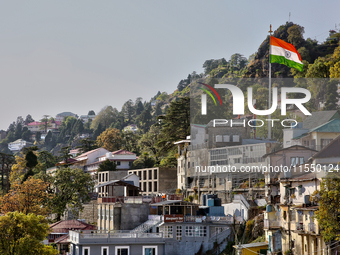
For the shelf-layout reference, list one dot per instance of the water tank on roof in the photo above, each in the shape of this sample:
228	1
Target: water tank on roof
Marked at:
269	208
210	202
217	201
109	155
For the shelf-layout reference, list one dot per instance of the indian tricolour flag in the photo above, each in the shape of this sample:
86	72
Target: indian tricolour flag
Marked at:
284	53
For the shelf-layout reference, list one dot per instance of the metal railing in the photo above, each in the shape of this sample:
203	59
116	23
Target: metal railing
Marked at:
76	236
271	224
312	227
210	219
299	226
136	199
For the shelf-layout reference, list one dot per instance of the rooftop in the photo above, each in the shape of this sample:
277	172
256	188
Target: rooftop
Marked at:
319	118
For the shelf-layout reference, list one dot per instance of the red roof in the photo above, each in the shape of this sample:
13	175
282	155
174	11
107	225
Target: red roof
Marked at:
123	152
68	161
62	239
65	226
35	123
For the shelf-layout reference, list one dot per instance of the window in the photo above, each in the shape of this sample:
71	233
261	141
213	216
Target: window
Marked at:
155	186
118	163
144	186
236	138
179	233
219	139
144	175
107	177
188	231
168	232
226	138
150	250
150	187
296	161
100	177
86	250
199	231
150	174
105	250
155	173
122	250
325	142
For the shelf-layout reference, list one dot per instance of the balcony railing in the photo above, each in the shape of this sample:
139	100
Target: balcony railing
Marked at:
210	219
269	224
136	199
105	236
299	226
312	227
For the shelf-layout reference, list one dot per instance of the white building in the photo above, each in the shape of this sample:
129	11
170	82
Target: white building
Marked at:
18	145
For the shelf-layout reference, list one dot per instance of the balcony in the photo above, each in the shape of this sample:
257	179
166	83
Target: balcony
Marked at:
136	199
312	228
299	226
117	236
272	224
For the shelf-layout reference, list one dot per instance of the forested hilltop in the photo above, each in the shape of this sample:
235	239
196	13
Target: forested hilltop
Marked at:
137	126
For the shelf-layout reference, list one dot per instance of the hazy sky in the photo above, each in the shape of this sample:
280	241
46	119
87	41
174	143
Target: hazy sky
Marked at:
78	56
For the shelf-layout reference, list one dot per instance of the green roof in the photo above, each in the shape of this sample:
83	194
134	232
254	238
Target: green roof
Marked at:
332	126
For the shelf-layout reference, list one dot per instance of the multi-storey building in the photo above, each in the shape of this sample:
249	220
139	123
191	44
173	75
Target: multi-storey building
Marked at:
156	180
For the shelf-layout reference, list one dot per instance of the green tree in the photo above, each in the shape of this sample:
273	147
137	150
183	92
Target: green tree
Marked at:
144	120
139	107
26	134
110	139
107	165
38	136
87	144
46	159
143	161
6	162
48	138
45	120
295	35
72	187
22	234
175	124
28	119
105	117
130	141
328	214
332	96
91	113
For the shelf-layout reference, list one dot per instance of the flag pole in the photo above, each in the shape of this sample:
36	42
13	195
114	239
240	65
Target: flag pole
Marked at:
270	86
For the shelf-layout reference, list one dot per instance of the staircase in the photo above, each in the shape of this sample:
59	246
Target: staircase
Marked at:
146	226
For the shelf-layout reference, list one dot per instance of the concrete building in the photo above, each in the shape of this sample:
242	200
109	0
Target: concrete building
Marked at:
86	118
60	116
218	170
156	180
300	230
122	158
17	145
59	233
293	136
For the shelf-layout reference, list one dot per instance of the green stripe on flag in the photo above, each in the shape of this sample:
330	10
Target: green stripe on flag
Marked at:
282	60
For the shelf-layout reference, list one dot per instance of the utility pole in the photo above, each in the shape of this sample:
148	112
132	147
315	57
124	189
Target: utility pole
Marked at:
270	86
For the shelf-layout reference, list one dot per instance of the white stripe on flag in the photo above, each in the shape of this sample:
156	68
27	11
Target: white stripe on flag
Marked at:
275	50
